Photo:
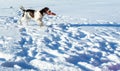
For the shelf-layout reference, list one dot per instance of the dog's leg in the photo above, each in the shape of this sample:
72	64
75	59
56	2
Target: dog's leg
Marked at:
39	22
20	21
27	21
23	19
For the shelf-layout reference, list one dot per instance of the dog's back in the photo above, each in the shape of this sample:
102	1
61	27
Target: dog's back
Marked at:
29	11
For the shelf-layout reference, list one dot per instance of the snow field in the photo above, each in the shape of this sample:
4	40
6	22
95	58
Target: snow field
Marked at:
84	36
59	45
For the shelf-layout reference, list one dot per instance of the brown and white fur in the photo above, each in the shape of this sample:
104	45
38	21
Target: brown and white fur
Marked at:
36	15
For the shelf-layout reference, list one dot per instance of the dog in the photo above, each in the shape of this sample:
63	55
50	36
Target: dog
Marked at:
36	15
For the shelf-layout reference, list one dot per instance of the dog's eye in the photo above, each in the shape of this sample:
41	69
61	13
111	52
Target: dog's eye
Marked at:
49	11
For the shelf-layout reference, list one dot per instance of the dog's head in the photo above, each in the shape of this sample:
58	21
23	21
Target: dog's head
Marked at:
47	11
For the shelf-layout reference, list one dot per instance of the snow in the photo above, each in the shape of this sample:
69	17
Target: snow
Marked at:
84	36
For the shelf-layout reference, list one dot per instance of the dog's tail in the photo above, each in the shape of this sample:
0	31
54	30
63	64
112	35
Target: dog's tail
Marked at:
22	8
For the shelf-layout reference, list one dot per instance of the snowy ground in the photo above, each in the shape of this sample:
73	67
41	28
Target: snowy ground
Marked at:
64	44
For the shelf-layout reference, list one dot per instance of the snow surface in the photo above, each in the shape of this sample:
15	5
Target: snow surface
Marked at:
66	42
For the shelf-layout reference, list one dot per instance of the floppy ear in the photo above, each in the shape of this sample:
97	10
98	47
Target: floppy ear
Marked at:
45	9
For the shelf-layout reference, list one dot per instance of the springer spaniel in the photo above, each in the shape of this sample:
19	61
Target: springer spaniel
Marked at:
35	15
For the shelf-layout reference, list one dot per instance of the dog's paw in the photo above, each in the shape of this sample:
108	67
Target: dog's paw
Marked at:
41	25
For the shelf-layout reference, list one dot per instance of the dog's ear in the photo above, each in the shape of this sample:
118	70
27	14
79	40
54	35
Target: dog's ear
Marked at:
46	9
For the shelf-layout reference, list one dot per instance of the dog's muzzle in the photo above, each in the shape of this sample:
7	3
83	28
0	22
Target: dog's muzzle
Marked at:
50	13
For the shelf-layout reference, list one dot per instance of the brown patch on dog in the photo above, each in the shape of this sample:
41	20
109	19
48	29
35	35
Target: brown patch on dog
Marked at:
31	12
